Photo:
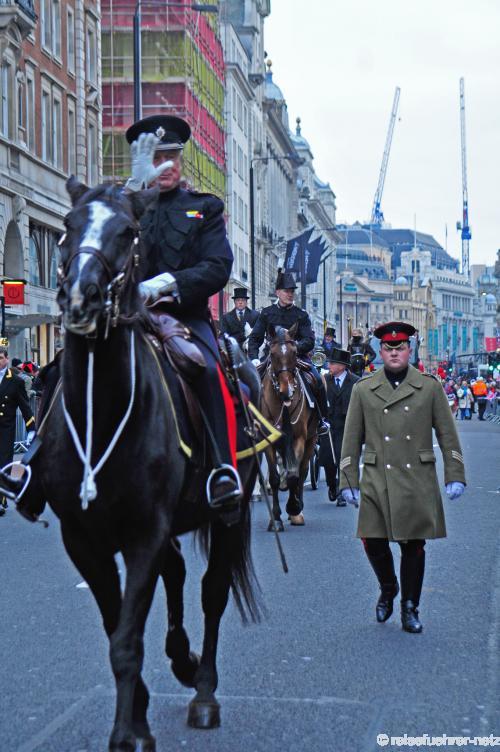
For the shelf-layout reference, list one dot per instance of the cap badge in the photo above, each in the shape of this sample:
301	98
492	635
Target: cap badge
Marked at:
160	132
393	333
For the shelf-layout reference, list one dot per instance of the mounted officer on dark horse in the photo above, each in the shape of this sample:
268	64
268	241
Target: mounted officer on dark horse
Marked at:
145	476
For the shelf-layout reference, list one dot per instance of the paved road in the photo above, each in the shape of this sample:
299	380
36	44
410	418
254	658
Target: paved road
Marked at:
319	674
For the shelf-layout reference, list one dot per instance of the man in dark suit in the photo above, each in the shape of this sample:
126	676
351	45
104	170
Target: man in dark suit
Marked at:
339	384
240	321
12	396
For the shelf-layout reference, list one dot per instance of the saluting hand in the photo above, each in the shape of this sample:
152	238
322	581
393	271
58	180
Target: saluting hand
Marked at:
142	153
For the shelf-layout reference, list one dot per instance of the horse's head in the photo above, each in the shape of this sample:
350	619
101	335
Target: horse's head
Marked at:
283	352
99	251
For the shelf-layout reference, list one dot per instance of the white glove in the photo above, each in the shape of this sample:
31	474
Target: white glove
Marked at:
162	284
256	362
30	436
352	497
455	489
142	153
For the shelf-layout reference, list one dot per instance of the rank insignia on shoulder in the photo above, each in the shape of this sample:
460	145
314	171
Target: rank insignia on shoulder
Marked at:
194	214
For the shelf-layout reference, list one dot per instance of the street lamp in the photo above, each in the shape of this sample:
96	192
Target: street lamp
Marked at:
291	157
200	7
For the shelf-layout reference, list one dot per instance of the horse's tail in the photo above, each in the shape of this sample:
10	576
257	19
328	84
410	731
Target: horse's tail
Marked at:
235	548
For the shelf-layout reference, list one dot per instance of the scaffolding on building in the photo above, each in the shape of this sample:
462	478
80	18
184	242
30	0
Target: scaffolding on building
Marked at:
182	71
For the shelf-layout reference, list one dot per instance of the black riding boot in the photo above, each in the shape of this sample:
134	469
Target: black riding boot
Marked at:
380	557
321	404
412	576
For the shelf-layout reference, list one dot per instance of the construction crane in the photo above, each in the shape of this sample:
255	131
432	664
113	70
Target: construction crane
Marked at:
464	224
377	214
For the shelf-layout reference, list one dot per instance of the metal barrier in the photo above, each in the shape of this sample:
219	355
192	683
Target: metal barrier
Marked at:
21	432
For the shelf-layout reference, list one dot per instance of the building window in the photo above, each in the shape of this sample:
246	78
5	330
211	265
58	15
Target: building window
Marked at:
240	213
20	103
70	40
30	111
92	154
56	28
54	261
35	253
6	98
71	137
240	162
57	132
91	54
46	131
45	23
235	161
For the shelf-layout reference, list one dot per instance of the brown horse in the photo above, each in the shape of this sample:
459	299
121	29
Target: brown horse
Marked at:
286	405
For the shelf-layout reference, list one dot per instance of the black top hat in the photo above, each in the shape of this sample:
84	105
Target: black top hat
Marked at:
240	292
343	357
330	331
285	281
172	131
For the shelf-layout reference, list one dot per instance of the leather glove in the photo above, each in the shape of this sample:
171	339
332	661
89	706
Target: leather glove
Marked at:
144	172
30	436
162	284
256	362
352	497
455	489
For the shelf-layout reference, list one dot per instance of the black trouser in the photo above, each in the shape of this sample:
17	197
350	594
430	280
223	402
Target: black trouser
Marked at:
411	570
481	407
208	388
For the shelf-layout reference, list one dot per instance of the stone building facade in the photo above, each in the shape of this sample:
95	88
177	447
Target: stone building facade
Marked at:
50	128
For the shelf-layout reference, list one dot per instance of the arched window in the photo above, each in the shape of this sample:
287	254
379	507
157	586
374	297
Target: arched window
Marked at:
35	254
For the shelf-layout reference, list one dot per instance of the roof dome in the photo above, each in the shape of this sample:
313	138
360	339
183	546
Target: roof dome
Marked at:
297	138
272	91
490	298
401	281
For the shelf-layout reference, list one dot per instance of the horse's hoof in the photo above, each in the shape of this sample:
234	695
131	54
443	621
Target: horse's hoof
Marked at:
186	672
297	519
148	745
278	525
203	715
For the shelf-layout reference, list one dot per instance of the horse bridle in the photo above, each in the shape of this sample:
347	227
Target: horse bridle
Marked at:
274	374
116	283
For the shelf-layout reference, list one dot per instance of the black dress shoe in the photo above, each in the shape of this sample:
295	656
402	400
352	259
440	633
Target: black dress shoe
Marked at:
332	494
341	502
409	617
384	607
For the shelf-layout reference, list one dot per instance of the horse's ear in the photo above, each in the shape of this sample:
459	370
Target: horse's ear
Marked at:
140	201
271	330
75	189
292	332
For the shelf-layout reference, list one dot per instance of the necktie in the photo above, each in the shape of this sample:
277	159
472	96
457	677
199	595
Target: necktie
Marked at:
240	315
337	381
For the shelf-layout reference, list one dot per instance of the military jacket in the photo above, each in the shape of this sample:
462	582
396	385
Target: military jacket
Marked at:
12	396
400	494
184	233
233	325
285	317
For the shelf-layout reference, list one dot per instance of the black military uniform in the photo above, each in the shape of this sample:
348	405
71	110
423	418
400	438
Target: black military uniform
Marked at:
184	234
12	396
339	396
362	354
287	316
233	323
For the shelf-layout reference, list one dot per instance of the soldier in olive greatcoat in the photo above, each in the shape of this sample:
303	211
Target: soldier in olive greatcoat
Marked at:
393	413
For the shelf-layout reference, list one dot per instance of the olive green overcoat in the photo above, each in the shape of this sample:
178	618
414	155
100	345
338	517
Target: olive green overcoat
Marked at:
400	495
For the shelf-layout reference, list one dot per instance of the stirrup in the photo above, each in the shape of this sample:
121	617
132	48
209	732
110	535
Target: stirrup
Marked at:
227	500
15	492
323	427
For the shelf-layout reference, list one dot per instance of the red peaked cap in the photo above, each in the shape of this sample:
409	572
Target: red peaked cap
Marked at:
394	332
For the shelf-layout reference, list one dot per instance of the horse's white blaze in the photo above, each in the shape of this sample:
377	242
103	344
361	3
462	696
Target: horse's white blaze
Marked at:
283	349
99	214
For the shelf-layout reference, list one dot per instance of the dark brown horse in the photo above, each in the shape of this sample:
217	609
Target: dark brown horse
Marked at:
285	403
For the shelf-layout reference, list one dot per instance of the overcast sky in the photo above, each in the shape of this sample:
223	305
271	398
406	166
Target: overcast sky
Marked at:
338	64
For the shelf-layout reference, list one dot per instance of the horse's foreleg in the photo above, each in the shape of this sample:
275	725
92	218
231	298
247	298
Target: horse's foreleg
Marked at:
274	482
294	504
99	570
204	710
183	662
127	644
